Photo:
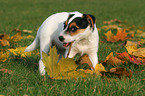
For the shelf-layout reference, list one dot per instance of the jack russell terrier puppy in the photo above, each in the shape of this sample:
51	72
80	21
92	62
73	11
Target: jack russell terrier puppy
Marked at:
64	28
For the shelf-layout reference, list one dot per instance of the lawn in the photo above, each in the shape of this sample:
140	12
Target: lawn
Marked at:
29	14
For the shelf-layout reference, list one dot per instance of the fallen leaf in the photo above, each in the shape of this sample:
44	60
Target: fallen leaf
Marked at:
111	60
27	31
127	58
64	69
99	68
114	20
20	51
28	37
5	42
133	50
17	37
4	56
85	59
6	71
111	27
4	39
117	72
120	36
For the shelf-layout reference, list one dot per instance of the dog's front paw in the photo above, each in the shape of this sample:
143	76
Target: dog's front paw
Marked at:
42	72
41	68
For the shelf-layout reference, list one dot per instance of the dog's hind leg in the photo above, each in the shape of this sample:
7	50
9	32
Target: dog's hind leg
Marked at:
44	46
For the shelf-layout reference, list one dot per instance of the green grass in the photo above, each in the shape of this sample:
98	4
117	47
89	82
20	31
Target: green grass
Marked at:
26	80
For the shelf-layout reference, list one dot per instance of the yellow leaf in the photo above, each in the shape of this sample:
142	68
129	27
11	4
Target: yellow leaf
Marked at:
4	56
4	39
65	69
17	37
5	42
20	51
99	68
133	50
28	37
50	62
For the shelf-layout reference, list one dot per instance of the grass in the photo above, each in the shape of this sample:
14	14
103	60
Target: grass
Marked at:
31	13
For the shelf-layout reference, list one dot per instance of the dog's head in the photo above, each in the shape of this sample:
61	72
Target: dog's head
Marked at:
77	27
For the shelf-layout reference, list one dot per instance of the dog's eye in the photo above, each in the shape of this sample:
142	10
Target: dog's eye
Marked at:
73	29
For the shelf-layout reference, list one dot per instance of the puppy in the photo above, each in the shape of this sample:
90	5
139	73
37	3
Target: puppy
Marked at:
64	28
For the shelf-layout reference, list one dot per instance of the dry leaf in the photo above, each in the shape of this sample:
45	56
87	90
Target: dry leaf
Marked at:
6	71
20	51
4	56
4	39
17	37
133	50
99	68
111	60
120	36
127	58
111	27
117	72
114	20
27	31
85	59
28	37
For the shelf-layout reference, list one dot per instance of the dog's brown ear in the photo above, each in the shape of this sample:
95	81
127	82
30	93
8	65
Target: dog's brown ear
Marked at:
90	18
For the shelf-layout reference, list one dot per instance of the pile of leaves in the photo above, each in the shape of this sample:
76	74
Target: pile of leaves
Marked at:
69	68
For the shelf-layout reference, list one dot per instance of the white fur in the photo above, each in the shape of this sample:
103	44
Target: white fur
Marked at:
52	28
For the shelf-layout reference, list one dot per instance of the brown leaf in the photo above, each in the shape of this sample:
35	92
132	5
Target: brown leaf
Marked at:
85	59
17	37
4	56
120	36
117	72
111	60
4	39
111	27
114	20
6	71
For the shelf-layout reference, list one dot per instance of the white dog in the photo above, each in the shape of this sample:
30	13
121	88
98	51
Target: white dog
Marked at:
63	28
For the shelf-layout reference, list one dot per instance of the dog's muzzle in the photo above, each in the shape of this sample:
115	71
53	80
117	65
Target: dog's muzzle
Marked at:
61	38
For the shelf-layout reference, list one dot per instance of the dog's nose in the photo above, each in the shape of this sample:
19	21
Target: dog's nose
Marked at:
61	38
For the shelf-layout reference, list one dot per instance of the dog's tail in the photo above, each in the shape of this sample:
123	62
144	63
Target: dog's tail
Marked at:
34	45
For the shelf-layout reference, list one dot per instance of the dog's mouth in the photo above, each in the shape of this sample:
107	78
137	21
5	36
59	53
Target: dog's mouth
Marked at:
67	44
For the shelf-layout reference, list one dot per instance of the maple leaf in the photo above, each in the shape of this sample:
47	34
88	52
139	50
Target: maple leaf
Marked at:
4	39
99	68
4	56
20	51
111	60
126	57
120	36
117	72
64	69
17	37
85	59
133	50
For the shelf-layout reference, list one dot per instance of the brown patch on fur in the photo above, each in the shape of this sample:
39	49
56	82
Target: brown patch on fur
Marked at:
90	20
66	22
